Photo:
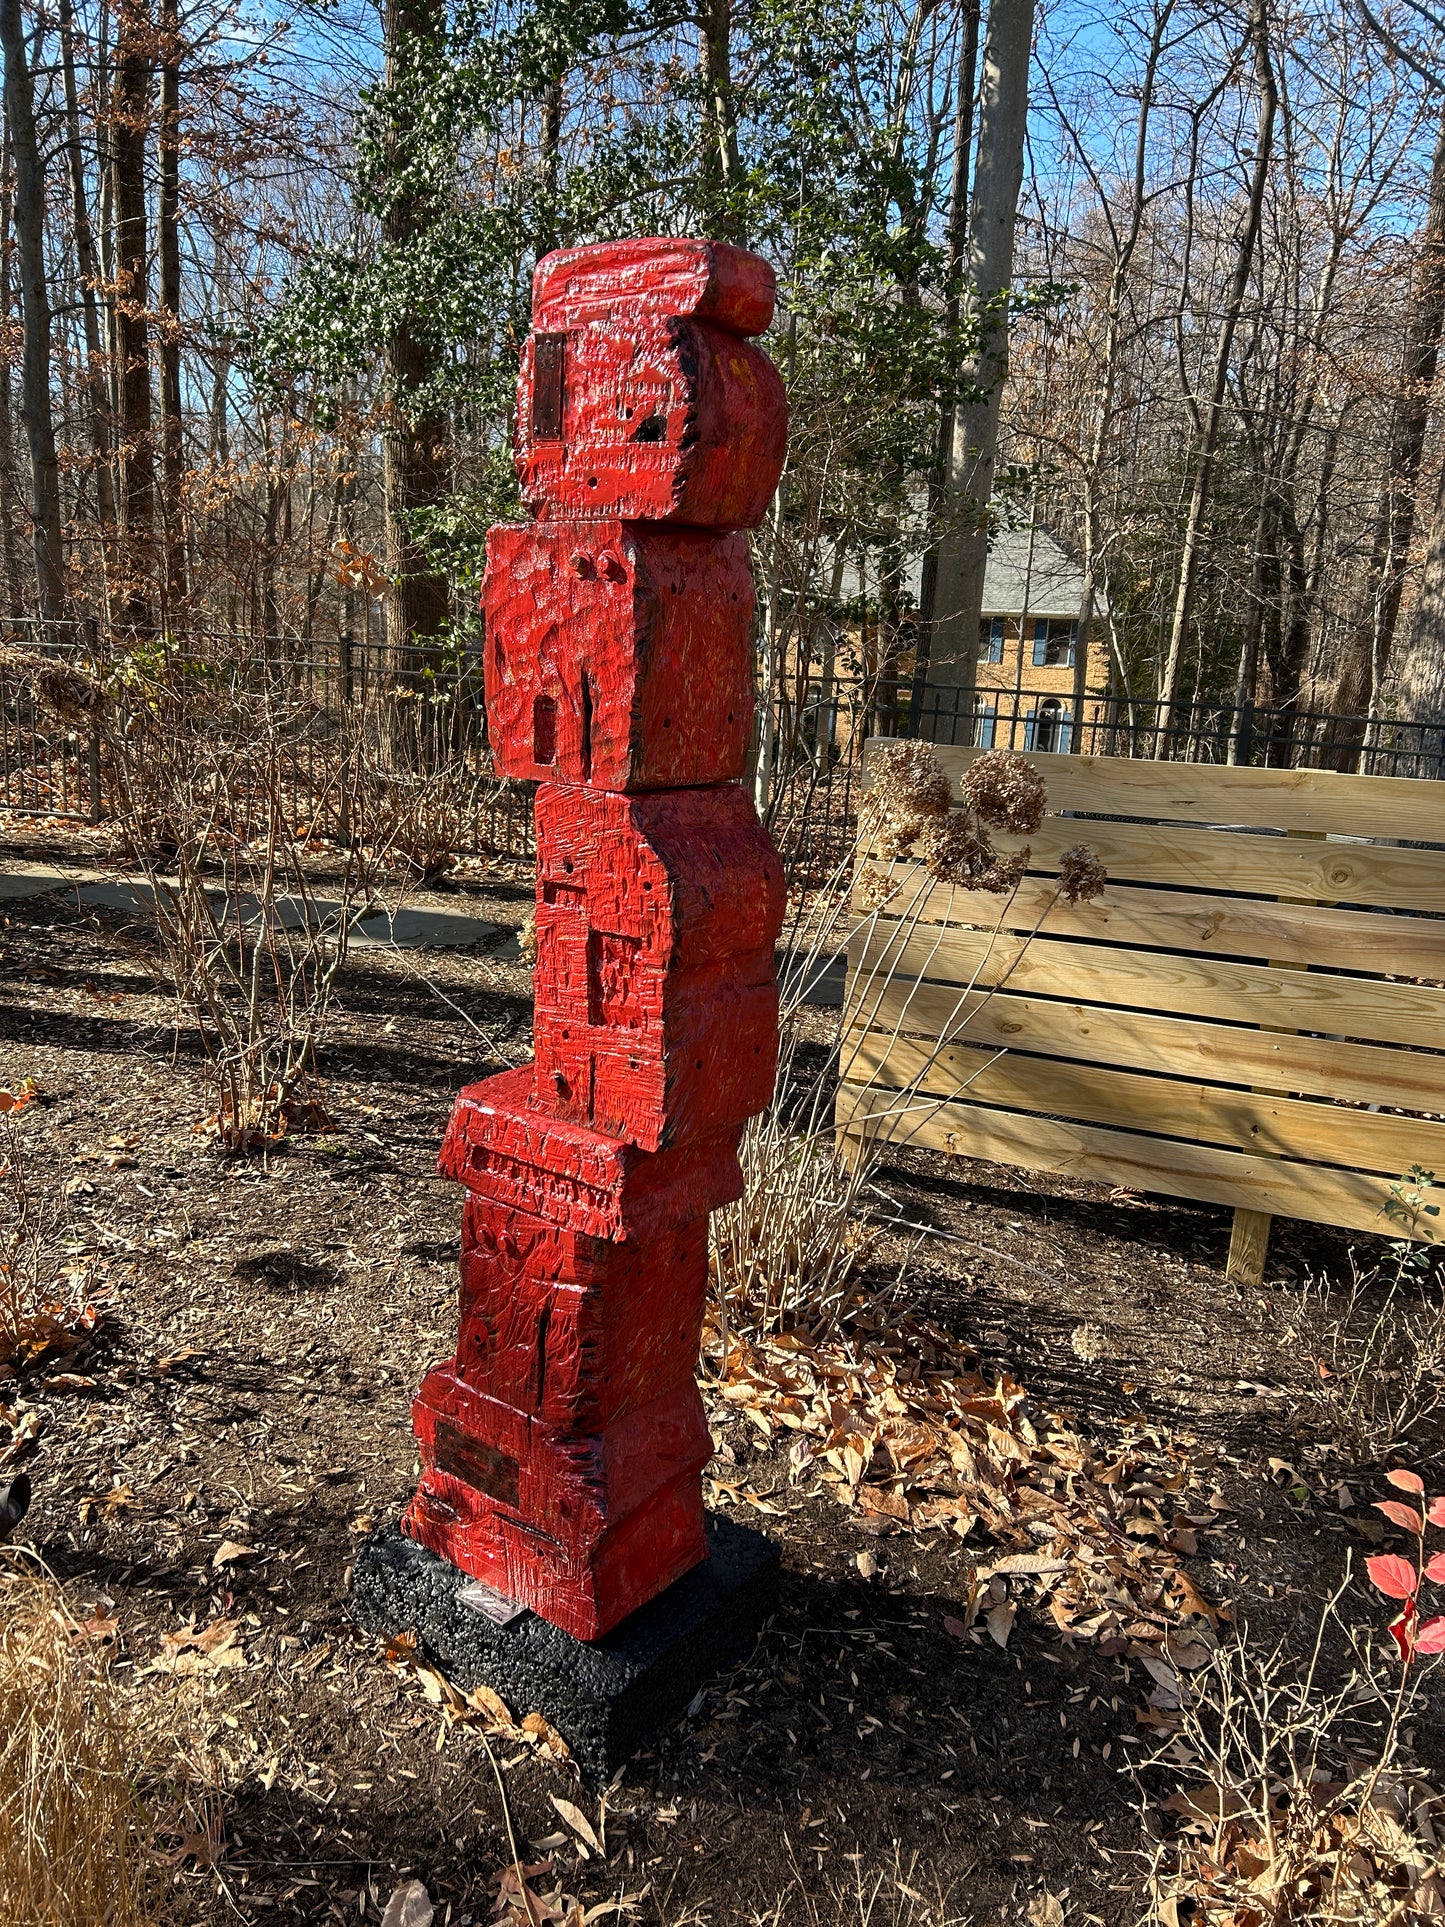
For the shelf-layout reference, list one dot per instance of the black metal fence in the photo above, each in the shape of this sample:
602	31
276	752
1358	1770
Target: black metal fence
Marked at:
809	749
1192	732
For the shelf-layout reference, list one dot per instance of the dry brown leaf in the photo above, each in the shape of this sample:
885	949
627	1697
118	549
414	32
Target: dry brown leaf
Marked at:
232	1553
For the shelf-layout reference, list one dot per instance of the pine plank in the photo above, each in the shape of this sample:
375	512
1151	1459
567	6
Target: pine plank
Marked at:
1136	1040
1393	807
1220	926
1354	1201
1173	1107
1365	1008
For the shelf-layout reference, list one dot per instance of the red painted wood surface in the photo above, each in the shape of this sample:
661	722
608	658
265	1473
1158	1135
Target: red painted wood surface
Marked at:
503	1148
573	1329
656	988
562	1446
659	421
622	281
618	654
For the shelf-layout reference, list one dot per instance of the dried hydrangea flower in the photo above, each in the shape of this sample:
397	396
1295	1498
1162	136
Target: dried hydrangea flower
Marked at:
908	790
957	851
1082	877
874	888
1006	791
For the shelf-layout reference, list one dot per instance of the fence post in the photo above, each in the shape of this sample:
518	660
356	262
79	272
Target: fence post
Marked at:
92	753
344	645
1243	745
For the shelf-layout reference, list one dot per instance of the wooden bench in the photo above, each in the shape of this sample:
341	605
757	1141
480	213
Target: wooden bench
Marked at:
1252	1015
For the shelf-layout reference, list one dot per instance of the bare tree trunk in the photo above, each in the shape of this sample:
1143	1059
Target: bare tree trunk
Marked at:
9	491
417	458
35	313
998	176
1213	414
1124	251
173	455
129	120
1422	673
720	165
89	272
1367	654
965	83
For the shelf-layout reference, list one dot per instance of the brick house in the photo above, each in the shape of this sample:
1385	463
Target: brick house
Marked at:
1025	673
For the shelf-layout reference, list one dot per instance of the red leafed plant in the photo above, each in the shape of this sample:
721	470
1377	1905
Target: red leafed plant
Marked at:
1400	1579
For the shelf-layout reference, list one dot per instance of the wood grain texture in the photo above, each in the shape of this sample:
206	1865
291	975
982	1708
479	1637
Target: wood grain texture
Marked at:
618	281
618	654
1355	1201
664	420
656	994
1138	1040
1364	1008
1248	1247
1219	926
1398	807
1244	864
1173	1107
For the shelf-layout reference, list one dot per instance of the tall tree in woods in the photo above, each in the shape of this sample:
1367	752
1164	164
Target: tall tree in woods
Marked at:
1372	639
130	117
87	267
1207	413
168	321
998	176
956	246
418	430
35	401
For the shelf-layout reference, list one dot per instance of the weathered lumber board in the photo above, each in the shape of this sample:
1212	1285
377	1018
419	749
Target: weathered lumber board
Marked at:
1220	926
1172	1107
1139	1040
1394	807
1353	1200
1366	1008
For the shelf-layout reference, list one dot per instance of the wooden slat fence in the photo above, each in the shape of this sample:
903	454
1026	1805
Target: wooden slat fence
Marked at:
1252	1015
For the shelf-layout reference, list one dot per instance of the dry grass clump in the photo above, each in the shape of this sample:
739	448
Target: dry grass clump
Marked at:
1302	1804
1379	1379
43	1307
76	1842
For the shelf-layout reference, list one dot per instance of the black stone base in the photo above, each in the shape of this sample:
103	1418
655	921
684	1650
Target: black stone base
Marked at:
609	1697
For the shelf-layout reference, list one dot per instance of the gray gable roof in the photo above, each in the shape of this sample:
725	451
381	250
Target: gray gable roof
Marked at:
1030	572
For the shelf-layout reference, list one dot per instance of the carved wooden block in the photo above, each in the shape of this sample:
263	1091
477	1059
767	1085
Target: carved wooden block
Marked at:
562	1445
622	281
576	1330
503	1148
582	1527
655	420
656	987
618	654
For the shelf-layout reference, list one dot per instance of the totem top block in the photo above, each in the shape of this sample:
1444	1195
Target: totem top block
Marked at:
627	280
657	419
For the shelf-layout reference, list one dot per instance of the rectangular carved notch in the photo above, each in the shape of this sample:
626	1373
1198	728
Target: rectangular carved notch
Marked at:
476	1464
549	360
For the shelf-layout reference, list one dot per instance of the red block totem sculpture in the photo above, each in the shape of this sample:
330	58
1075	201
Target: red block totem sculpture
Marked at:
563	1444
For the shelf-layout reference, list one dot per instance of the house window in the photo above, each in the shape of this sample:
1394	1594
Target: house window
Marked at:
985	722
990	639
1049	727
1054	642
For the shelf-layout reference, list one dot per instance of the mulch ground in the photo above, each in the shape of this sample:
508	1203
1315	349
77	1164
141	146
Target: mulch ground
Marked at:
265	1323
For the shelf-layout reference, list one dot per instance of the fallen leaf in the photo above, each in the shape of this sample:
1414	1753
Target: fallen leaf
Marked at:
1000	1621
866	1564
191	1650
409	1906
232	1553
579	1823
1046	1910
120	1498
954	1627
